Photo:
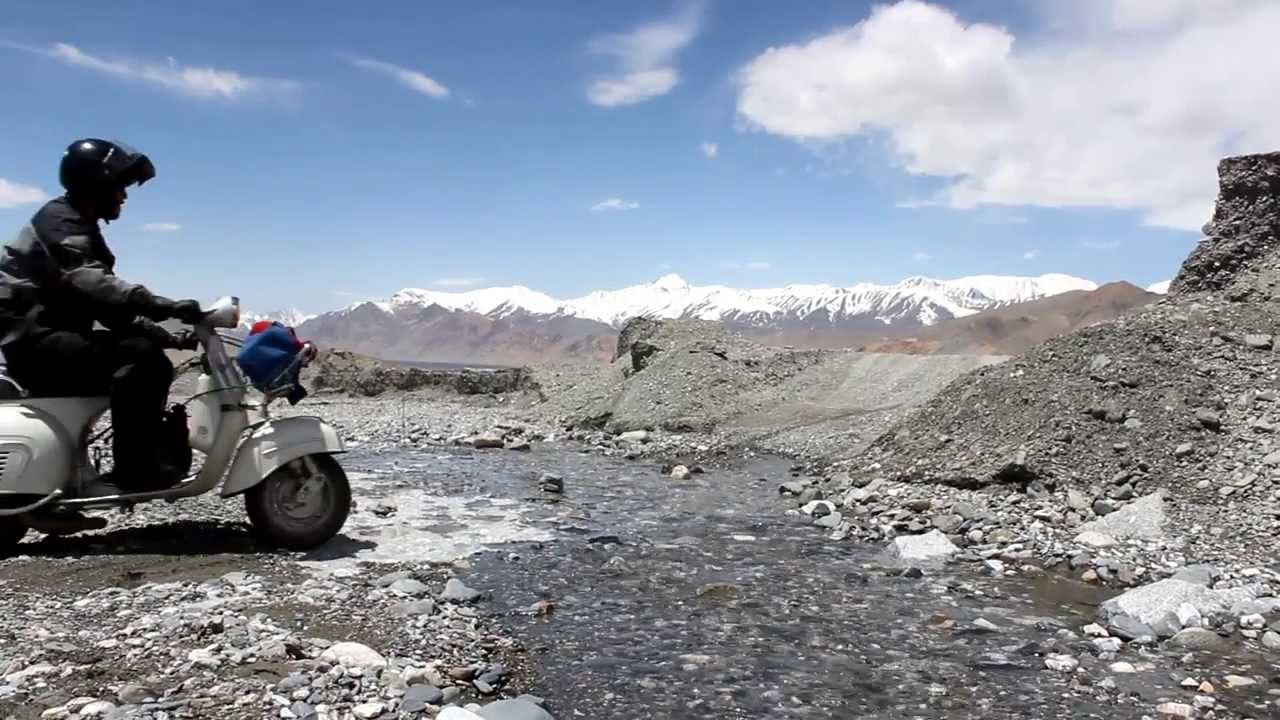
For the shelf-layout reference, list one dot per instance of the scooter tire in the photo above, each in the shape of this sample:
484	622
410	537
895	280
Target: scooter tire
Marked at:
273	525
12	531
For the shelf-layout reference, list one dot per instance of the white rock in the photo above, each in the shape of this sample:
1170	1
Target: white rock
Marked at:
931	548
203	658
1253	622
1123	668
1095	539
812	507
1143	518
354	655
1176	710
453	712
1105	645
97	709
1095	631
1061	663
369	711
635	436
1189	616
1239	681
680	472
513	710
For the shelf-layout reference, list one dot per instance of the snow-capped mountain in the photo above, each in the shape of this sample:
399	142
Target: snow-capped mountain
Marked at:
517	324
291	317
917	300
1160	288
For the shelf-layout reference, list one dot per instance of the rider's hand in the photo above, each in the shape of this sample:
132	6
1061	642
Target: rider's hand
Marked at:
188	311
184	340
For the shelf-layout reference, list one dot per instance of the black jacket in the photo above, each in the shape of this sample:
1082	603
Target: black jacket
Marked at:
59	274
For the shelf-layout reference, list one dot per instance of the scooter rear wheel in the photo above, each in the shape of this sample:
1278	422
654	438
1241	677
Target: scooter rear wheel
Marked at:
302	504
12	530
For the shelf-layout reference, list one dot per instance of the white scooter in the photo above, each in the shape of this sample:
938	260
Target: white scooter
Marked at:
296	494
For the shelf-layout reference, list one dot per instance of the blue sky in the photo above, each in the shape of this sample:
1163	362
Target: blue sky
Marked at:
312	157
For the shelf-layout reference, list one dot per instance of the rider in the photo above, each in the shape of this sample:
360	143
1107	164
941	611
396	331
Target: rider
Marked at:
57	278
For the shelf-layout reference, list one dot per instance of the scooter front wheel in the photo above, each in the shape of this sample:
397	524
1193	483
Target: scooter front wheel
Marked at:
302	504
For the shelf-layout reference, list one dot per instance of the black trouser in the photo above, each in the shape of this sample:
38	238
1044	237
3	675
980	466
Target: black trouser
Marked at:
131	369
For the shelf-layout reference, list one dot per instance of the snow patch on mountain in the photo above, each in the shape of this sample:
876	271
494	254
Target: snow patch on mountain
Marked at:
291	317
1160	288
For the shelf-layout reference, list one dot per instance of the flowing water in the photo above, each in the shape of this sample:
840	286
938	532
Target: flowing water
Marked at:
704	599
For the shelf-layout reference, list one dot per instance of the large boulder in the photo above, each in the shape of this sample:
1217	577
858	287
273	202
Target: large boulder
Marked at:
1158	605
1142	519
930	549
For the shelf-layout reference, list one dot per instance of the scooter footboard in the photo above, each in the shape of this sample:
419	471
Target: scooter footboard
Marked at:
275	443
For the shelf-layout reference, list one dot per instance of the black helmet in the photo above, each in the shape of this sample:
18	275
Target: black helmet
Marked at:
93	166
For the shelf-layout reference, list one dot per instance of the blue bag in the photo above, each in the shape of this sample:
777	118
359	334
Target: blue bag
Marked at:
266	355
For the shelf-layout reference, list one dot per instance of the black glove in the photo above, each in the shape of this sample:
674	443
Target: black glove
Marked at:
184	340
188	311
158	307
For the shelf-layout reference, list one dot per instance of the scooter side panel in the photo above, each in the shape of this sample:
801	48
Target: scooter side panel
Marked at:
275	443
40	442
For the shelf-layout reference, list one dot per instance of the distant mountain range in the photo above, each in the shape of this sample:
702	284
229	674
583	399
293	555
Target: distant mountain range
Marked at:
518	325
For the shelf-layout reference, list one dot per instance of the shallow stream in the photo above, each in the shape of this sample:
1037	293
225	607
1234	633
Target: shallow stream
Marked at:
704	599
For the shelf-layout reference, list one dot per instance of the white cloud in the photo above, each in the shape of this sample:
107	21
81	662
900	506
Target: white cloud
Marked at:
644	56
754	266
13	194
921	256
614	204
710	149
458	281
412	79
1118	103
1031	255
199	82
162	227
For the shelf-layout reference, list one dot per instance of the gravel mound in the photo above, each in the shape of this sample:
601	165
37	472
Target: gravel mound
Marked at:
684	376
346	372
1178	397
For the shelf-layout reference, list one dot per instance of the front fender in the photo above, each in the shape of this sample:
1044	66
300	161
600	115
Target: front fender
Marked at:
275	443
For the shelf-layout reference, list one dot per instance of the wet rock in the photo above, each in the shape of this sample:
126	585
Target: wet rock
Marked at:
409	587
985	625
457	592
520	445
354	655
818	508
1131	629
680	472
832	520
1198	639
551	483
792	488
487	441
931	548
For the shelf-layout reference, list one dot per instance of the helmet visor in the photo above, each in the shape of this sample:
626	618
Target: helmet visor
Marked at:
126	166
